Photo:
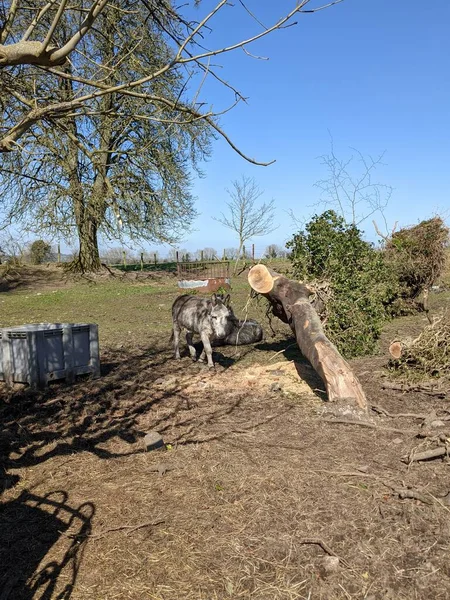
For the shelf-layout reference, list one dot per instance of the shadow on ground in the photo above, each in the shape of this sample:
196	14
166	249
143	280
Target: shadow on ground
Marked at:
31	526
94	414
66	419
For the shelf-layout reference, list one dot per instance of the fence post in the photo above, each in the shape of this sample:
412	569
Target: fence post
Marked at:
253	252
201	255
124	257
154	258
177	257
59	253
142	261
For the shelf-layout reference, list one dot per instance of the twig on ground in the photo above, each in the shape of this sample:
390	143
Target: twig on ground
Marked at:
427	454
402	492
414	495
281	351
130	528
406	387
382	411
438	500
324	547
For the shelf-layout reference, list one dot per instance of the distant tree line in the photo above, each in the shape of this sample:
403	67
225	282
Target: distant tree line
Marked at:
41	251
118	255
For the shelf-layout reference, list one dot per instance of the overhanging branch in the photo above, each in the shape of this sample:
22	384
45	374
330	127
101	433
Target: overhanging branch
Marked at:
42	54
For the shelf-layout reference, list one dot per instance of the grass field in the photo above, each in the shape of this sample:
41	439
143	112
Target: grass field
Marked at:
256	492
126	310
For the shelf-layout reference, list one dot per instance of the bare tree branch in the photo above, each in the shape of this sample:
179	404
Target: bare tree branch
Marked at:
39	53
36	20
8	142
352	191
96	9
9	21
54	24
33	52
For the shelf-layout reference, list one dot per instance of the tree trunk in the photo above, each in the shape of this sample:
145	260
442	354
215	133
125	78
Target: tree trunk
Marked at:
238	257
90	211
88	256
88	259
290	303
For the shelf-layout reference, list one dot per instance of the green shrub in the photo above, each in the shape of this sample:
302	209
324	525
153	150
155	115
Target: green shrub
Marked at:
40	252
362	284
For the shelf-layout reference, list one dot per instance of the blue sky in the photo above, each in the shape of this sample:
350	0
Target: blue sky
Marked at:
374	74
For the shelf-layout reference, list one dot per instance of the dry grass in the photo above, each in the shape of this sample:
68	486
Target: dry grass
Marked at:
252	476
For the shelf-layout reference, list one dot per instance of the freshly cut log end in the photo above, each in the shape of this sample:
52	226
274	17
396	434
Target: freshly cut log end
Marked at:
260	279
395	350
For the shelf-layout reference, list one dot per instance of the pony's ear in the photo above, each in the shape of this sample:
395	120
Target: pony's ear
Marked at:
227	300
214	299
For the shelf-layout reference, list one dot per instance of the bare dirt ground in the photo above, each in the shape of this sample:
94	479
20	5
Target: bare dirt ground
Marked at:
254	497
53	276
31	278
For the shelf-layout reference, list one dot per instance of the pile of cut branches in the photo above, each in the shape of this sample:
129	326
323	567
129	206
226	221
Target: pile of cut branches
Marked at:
427	356
418	254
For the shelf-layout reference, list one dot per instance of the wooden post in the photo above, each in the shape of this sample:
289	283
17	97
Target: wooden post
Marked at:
177	256
253	252
201	255
290	303
154	257
142	261
124	257
59	253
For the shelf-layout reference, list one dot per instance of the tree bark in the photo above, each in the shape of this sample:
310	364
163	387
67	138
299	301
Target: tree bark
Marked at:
88	257
290	303
29	53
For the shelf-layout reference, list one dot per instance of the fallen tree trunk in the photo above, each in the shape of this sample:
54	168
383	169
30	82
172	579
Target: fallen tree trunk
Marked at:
290	303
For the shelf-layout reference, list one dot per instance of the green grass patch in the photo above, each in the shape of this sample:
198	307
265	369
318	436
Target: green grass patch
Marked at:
121	309
127	312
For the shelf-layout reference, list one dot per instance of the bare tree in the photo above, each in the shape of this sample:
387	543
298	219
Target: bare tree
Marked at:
114	255
206	254
350	189
12	247
245	217
275	251
175	254
230	253
106	172
40	40
94	101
